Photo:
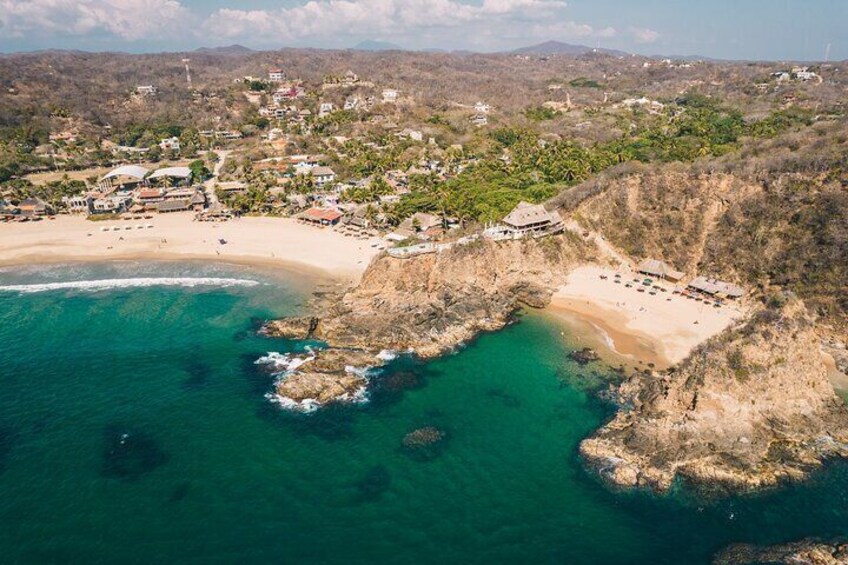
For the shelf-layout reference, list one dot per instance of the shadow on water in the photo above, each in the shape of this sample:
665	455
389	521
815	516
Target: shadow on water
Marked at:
505	398
371	487
129	453
198	375
253	326
179	492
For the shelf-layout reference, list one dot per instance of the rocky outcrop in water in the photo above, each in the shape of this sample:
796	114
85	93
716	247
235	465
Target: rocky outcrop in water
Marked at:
806	552
751	408
322	388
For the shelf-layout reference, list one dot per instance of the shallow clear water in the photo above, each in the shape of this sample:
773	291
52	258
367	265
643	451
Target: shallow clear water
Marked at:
134	429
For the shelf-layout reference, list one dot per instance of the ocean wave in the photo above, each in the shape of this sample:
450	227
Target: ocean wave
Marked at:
284	363
110	284
309	405
387	355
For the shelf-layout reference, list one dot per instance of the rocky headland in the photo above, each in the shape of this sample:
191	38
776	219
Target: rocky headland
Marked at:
806	552
426	305
751	408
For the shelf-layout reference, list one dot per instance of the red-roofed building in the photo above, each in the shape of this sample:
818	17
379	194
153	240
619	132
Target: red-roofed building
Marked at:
321	216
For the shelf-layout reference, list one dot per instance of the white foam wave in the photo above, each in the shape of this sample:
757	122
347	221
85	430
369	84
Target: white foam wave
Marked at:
387	355
109	284
284	363
309	405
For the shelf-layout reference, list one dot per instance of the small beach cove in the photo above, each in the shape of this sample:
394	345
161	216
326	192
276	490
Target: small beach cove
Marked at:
634	324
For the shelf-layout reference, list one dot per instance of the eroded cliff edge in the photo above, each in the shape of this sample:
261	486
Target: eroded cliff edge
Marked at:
751	408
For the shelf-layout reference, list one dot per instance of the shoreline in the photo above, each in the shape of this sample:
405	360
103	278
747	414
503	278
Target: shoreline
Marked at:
628	327
264	242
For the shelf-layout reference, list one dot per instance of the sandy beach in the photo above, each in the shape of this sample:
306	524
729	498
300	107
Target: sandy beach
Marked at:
660	329
259	241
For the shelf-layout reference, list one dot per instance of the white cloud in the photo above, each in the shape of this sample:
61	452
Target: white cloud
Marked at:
644	35
399	19
126	19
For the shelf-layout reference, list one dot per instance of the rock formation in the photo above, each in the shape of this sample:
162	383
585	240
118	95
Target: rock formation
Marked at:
431	303
807	552
751	408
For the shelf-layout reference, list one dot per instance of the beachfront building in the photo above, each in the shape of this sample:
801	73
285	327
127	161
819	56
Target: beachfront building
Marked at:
171	176
716	288
659	269
111	204
34	207
321	216
123	178
80	203
173	206
532	219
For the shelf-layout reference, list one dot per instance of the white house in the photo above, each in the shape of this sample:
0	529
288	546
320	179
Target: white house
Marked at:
79	204
482	108
276	75
146	90
390	95
170	144
325	109
323	176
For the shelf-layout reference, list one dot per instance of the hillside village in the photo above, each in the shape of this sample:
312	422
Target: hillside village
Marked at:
328	139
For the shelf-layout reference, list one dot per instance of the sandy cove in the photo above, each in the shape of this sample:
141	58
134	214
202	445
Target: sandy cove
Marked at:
258	241
636	326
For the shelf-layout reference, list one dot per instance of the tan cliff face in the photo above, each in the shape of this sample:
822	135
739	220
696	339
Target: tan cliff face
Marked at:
432	303
752	408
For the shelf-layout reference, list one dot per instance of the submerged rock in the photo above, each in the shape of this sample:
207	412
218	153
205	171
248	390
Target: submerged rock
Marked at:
584	356
808	552
423	437
424	444
751	408
128	454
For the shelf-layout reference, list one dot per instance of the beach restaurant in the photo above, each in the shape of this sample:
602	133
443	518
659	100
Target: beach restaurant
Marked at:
717	288
321	216
659	269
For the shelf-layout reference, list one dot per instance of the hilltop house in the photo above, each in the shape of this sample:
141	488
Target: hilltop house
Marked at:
390	95
532	219
276	75
146	90
325	109
349	79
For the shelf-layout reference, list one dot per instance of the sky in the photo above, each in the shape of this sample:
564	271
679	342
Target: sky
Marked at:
727	29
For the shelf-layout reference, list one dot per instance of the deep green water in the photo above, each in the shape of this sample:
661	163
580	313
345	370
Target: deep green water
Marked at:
134	429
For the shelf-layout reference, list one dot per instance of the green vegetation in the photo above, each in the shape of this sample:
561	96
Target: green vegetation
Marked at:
540	113
584	82
521	167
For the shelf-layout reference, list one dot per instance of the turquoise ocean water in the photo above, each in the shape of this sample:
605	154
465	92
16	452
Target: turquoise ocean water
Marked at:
134	428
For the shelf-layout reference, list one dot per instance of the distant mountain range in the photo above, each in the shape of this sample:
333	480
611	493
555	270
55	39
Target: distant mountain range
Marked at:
227	50
374	45
560	48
